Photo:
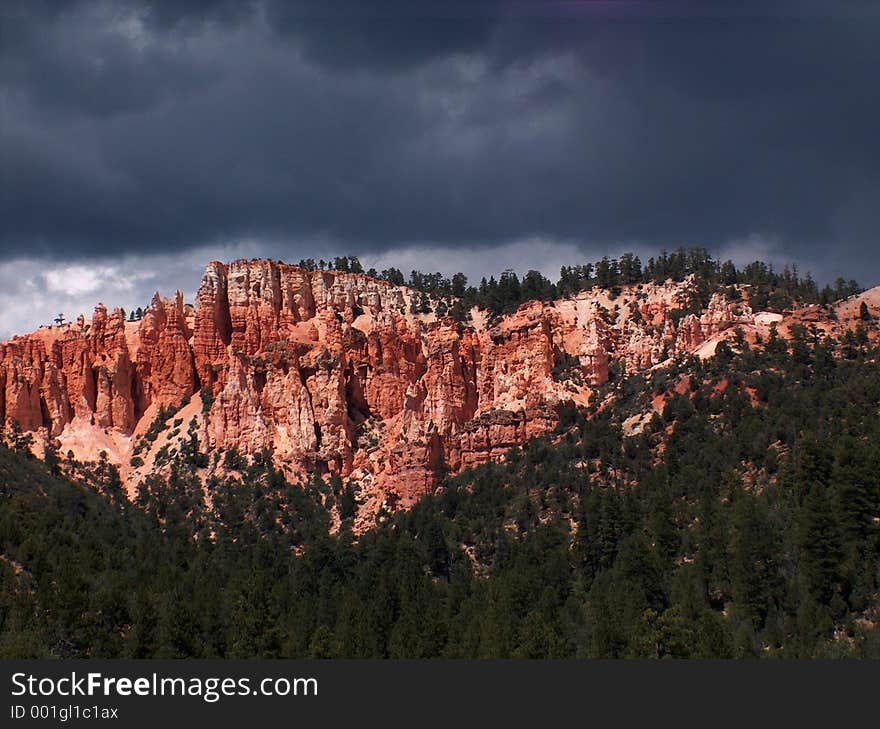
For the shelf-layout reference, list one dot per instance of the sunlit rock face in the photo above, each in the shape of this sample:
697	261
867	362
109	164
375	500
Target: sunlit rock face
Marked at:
333	372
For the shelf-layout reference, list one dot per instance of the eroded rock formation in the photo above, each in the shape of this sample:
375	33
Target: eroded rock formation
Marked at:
332	371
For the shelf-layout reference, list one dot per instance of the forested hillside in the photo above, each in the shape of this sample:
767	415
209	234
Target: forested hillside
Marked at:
723	508
769	289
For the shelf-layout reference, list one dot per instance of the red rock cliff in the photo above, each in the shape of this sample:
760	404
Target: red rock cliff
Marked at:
332	371
103	374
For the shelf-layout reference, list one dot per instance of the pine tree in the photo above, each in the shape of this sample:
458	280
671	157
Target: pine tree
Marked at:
819	545
752	564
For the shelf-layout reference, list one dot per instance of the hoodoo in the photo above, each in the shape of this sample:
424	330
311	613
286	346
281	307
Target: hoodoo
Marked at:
334	372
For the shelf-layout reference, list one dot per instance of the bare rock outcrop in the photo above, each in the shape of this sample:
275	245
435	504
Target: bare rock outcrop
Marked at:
332	371
105	373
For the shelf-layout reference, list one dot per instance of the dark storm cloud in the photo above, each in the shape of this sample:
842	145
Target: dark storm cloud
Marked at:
388	35
136	126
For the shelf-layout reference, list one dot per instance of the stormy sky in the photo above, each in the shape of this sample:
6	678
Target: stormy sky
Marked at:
139	140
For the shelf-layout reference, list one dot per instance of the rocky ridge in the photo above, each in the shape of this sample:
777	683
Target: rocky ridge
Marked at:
331	371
